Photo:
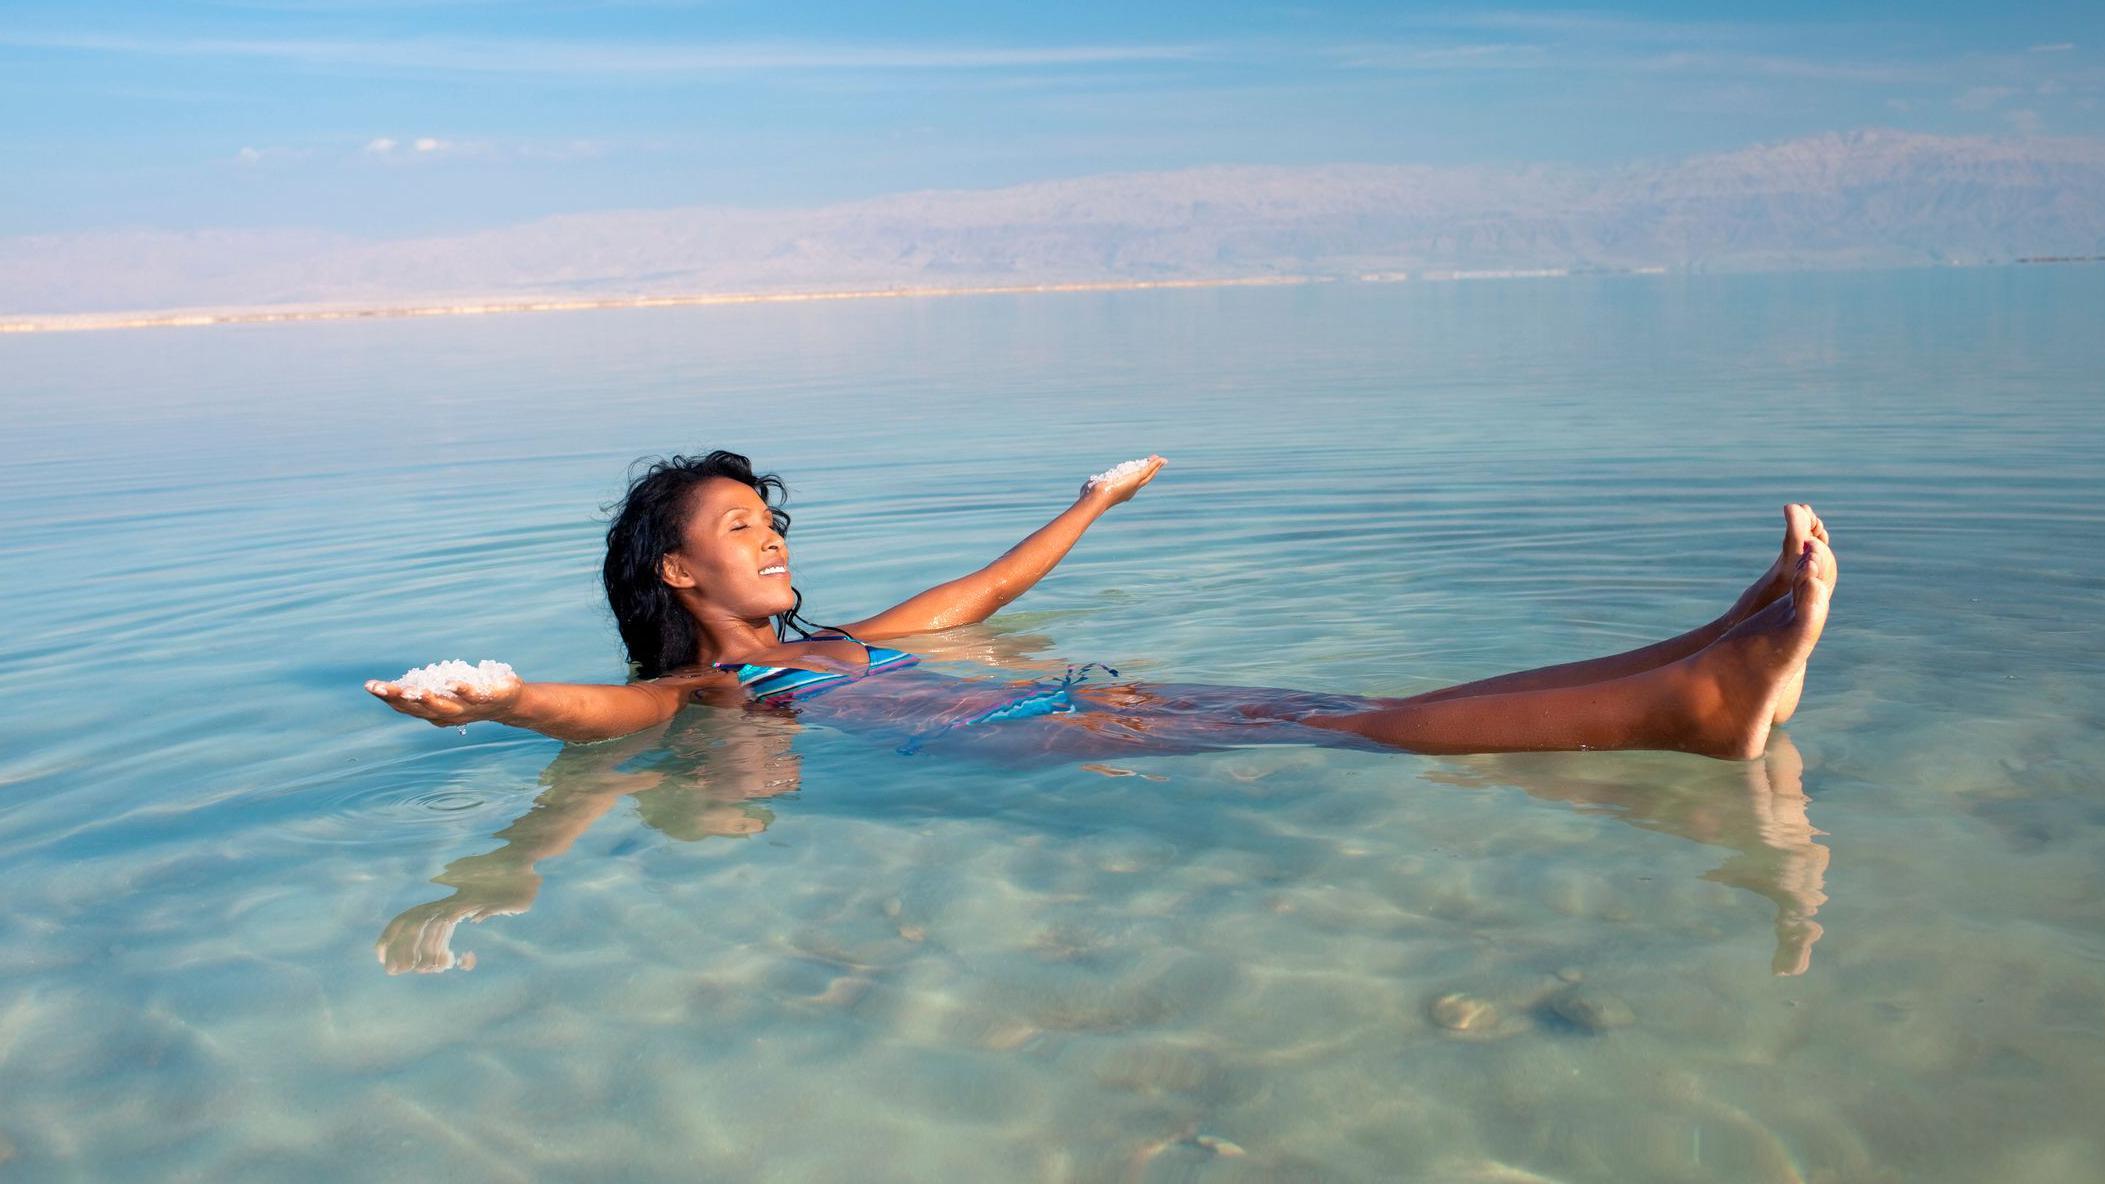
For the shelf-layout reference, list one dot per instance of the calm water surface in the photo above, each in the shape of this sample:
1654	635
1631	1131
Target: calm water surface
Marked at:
746	949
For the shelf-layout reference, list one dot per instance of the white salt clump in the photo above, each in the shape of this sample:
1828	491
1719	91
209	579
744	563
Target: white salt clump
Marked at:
439	677
1115	473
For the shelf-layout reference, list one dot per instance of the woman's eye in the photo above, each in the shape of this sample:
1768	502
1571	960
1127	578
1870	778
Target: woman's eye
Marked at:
738	527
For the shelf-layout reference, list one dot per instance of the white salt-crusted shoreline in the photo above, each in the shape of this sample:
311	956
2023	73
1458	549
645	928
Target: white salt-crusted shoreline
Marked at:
454	307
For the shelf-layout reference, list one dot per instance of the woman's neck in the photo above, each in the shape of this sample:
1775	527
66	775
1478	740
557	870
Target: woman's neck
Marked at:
731	639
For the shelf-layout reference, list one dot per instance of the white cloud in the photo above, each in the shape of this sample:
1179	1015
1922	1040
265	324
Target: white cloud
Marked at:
252	155
410	148
405	149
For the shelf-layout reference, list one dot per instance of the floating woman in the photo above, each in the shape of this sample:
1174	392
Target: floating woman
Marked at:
697	572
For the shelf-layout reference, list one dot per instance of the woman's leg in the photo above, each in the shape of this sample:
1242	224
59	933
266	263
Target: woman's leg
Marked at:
1799	523
1718	701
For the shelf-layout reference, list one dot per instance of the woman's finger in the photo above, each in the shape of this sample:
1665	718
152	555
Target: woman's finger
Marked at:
433	708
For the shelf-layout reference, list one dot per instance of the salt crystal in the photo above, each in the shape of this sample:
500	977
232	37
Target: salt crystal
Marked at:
1117	472
439	677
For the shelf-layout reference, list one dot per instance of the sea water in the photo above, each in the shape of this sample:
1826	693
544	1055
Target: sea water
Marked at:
748	948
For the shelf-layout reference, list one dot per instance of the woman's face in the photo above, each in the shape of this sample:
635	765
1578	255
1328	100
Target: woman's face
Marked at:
730	556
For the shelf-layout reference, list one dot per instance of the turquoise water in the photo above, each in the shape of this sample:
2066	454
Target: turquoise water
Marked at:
754	950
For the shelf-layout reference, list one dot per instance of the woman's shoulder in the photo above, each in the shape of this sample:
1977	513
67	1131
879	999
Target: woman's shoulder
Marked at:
691	678
699	684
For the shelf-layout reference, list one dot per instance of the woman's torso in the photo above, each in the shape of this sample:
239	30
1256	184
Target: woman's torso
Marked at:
1083	713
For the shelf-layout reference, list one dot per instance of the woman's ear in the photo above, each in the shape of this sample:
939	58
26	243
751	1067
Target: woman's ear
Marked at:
674	572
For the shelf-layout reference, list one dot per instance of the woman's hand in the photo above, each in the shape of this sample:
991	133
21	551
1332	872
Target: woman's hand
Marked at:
1113	489
460	703
973	598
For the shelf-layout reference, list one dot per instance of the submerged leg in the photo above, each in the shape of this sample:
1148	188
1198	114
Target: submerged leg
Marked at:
1718	701
1799	525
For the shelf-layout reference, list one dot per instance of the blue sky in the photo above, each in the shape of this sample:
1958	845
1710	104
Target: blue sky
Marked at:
408	116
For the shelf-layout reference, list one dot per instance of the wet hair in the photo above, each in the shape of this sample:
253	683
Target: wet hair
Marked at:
649	522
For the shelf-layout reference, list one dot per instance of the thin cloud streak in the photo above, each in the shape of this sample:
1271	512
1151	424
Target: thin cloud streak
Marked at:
1687	61
1782	66
518	56
1444	57
1600	25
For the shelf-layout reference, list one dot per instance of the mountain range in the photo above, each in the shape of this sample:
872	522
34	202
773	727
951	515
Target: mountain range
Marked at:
1858	199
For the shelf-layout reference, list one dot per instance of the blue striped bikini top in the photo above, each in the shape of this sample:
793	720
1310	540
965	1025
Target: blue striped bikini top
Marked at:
780	684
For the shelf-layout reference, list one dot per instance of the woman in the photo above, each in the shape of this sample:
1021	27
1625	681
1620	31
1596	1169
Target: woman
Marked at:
697	572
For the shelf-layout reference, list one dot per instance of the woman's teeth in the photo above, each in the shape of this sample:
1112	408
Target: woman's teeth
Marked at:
776	570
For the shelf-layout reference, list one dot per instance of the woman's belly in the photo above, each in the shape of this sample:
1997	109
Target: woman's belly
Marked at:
919	710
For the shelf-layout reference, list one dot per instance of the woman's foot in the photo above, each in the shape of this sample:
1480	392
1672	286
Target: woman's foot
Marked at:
1741	683
1787	699
1799	525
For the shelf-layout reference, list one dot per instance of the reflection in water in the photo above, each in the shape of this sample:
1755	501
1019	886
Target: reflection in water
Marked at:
702	775
1758	809
696	776
996	644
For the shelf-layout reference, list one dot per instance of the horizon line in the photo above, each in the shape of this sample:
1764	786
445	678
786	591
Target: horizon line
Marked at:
264	314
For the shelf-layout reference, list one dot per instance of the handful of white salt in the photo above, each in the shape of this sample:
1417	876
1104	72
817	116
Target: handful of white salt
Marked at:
1116	472
439	677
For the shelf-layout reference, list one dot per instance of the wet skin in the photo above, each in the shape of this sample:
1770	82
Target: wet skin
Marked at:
1716	690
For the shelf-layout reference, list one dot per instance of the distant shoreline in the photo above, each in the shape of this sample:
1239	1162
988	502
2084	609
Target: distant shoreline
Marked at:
265	315
184	318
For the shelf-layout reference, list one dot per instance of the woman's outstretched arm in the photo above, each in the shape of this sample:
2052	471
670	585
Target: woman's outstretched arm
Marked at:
976	597
578	712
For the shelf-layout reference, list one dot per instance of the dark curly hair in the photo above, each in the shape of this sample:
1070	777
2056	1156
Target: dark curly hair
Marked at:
649	522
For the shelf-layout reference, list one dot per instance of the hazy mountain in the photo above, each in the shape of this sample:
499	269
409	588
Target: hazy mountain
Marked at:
1876	198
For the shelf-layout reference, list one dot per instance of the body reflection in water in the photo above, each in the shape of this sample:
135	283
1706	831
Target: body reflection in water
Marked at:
700	775
706	773
703	775
1757	810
